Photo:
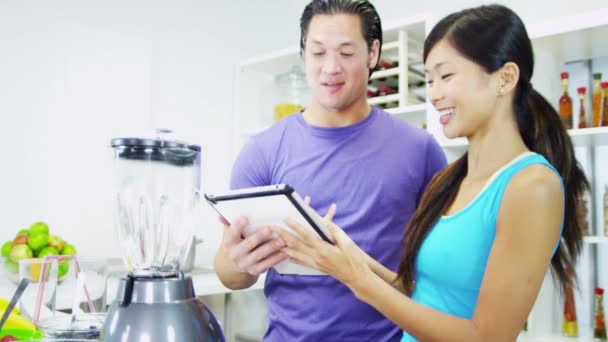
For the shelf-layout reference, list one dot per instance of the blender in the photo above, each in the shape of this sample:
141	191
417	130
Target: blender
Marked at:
157	185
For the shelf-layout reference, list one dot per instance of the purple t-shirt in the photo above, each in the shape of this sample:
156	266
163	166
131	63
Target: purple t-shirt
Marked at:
375	171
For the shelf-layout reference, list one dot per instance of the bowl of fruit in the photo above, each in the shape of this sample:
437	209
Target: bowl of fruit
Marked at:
35	242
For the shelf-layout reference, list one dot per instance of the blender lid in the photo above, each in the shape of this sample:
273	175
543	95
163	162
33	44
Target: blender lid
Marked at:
166	151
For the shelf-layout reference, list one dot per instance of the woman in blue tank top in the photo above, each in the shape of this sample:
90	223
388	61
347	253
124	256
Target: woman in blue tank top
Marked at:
489	224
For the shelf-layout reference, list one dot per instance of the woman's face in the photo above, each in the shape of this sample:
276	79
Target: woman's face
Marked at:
463	93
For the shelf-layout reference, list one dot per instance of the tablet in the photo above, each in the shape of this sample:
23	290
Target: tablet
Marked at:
269	205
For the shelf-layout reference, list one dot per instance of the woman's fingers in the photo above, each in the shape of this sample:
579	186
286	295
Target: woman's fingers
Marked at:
330	213
299	257
307	200
304	233
292	241
337	232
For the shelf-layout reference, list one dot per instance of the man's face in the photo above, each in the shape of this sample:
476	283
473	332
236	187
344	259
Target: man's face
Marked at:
337	60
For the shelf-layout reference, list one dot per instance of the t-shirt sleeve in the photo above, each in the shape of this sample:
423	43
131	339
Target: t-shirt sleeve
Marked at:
435	161
250	168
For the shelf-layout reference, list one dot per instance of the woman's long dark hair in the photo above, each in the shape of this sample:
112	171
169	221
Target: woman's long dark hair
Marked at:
492	36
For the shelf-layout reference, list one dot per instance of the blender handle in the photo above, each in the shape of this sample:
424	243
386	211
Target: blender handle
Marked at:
127	294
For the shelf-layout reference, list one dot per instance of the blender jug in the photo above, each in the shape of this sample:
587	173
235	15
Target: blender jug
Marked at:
157	192
157	184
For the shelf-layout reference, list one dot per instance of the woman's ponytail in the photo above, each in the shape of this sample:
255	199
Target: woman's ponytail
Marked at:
545	134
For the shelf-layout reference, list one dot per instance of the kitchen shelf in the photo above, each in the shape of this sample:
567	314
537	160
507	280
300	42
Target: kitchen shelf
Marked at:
383	99
409	110
384	73
595	239
390	46
553	338
585	137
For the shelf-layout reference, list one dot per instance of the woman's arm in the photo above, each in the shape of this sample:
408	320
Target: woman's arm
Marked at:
528	226
384	273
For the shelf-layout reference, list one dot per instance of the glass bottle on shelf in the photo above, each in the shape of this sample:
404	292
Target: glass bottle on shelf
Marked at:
582	211
582	118
599	324
597	99
291	92
606	209
569	326
565	103
604	121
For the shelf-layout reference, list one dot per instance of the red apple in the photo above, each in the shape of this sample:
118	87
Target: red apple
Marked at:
56	242
21	239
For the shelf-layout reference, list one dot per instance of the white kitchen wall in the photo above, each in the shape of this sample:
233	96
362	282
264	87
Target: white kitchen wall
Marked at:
74	74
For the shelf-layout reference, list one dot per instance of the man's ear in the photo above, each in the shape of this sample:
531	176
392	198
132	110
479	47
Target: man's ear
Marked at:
374	54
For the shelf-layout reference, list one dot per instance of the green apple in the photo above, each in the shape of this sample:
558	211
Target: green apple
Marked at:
19	252
6	248
11	266
39	227
37	241
62	268
47	251
23	232
56	242
68	249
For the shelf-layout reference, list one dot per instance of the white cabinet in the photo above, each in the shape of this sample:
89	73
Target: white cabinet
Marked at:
556	43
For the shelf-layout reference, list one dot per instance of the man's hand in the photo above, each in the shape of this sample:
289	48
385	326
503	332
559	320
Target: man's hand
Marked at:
255	254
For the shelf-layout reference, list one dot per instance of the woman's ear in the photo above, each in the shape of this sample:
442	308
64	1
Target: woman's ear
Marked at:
508	76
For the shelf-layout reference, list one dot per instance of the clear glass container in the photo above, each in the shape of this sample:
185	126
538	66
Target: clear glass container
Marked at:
291	92
84	327
157	184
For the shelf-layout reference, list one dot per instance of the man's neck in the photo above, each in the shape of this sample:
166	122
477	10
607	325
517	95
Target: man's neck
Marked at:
320	116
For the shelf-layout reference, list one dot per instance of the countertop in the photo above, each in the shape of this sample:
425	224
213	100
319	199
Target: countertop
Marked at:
205	281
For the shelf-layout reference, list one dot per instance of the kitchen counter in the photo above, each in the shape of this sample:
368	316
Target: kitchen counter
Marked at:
206	283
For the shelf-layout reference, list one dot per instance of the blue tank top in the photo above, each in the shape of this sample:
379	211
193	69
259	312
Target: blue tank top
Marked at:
452	260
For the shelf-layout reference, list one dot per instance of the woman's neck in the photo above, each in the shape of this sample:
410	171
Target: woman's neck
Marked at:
493	147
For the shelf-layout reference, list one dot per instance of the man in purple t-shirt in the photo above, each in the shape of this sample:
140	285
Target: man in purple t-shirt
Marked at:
340	150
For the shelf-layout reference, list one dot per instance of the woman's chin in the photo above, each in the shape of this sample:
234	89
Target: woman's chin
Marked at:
450	133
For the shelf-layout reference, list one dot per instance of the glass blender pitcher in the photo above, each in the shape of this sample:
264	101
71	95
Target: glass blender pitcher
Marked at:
157	193
157	184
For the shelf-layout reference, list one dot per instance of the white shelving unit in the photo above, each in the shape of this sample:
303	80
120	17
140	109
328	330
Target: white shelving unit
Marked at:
556	42
586	137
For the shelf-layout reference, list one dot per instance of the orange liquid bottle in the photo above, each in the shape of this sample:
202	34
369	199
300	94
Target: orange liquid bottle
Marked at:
570	326
604	121
597	99
565	103
599	323
582	118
